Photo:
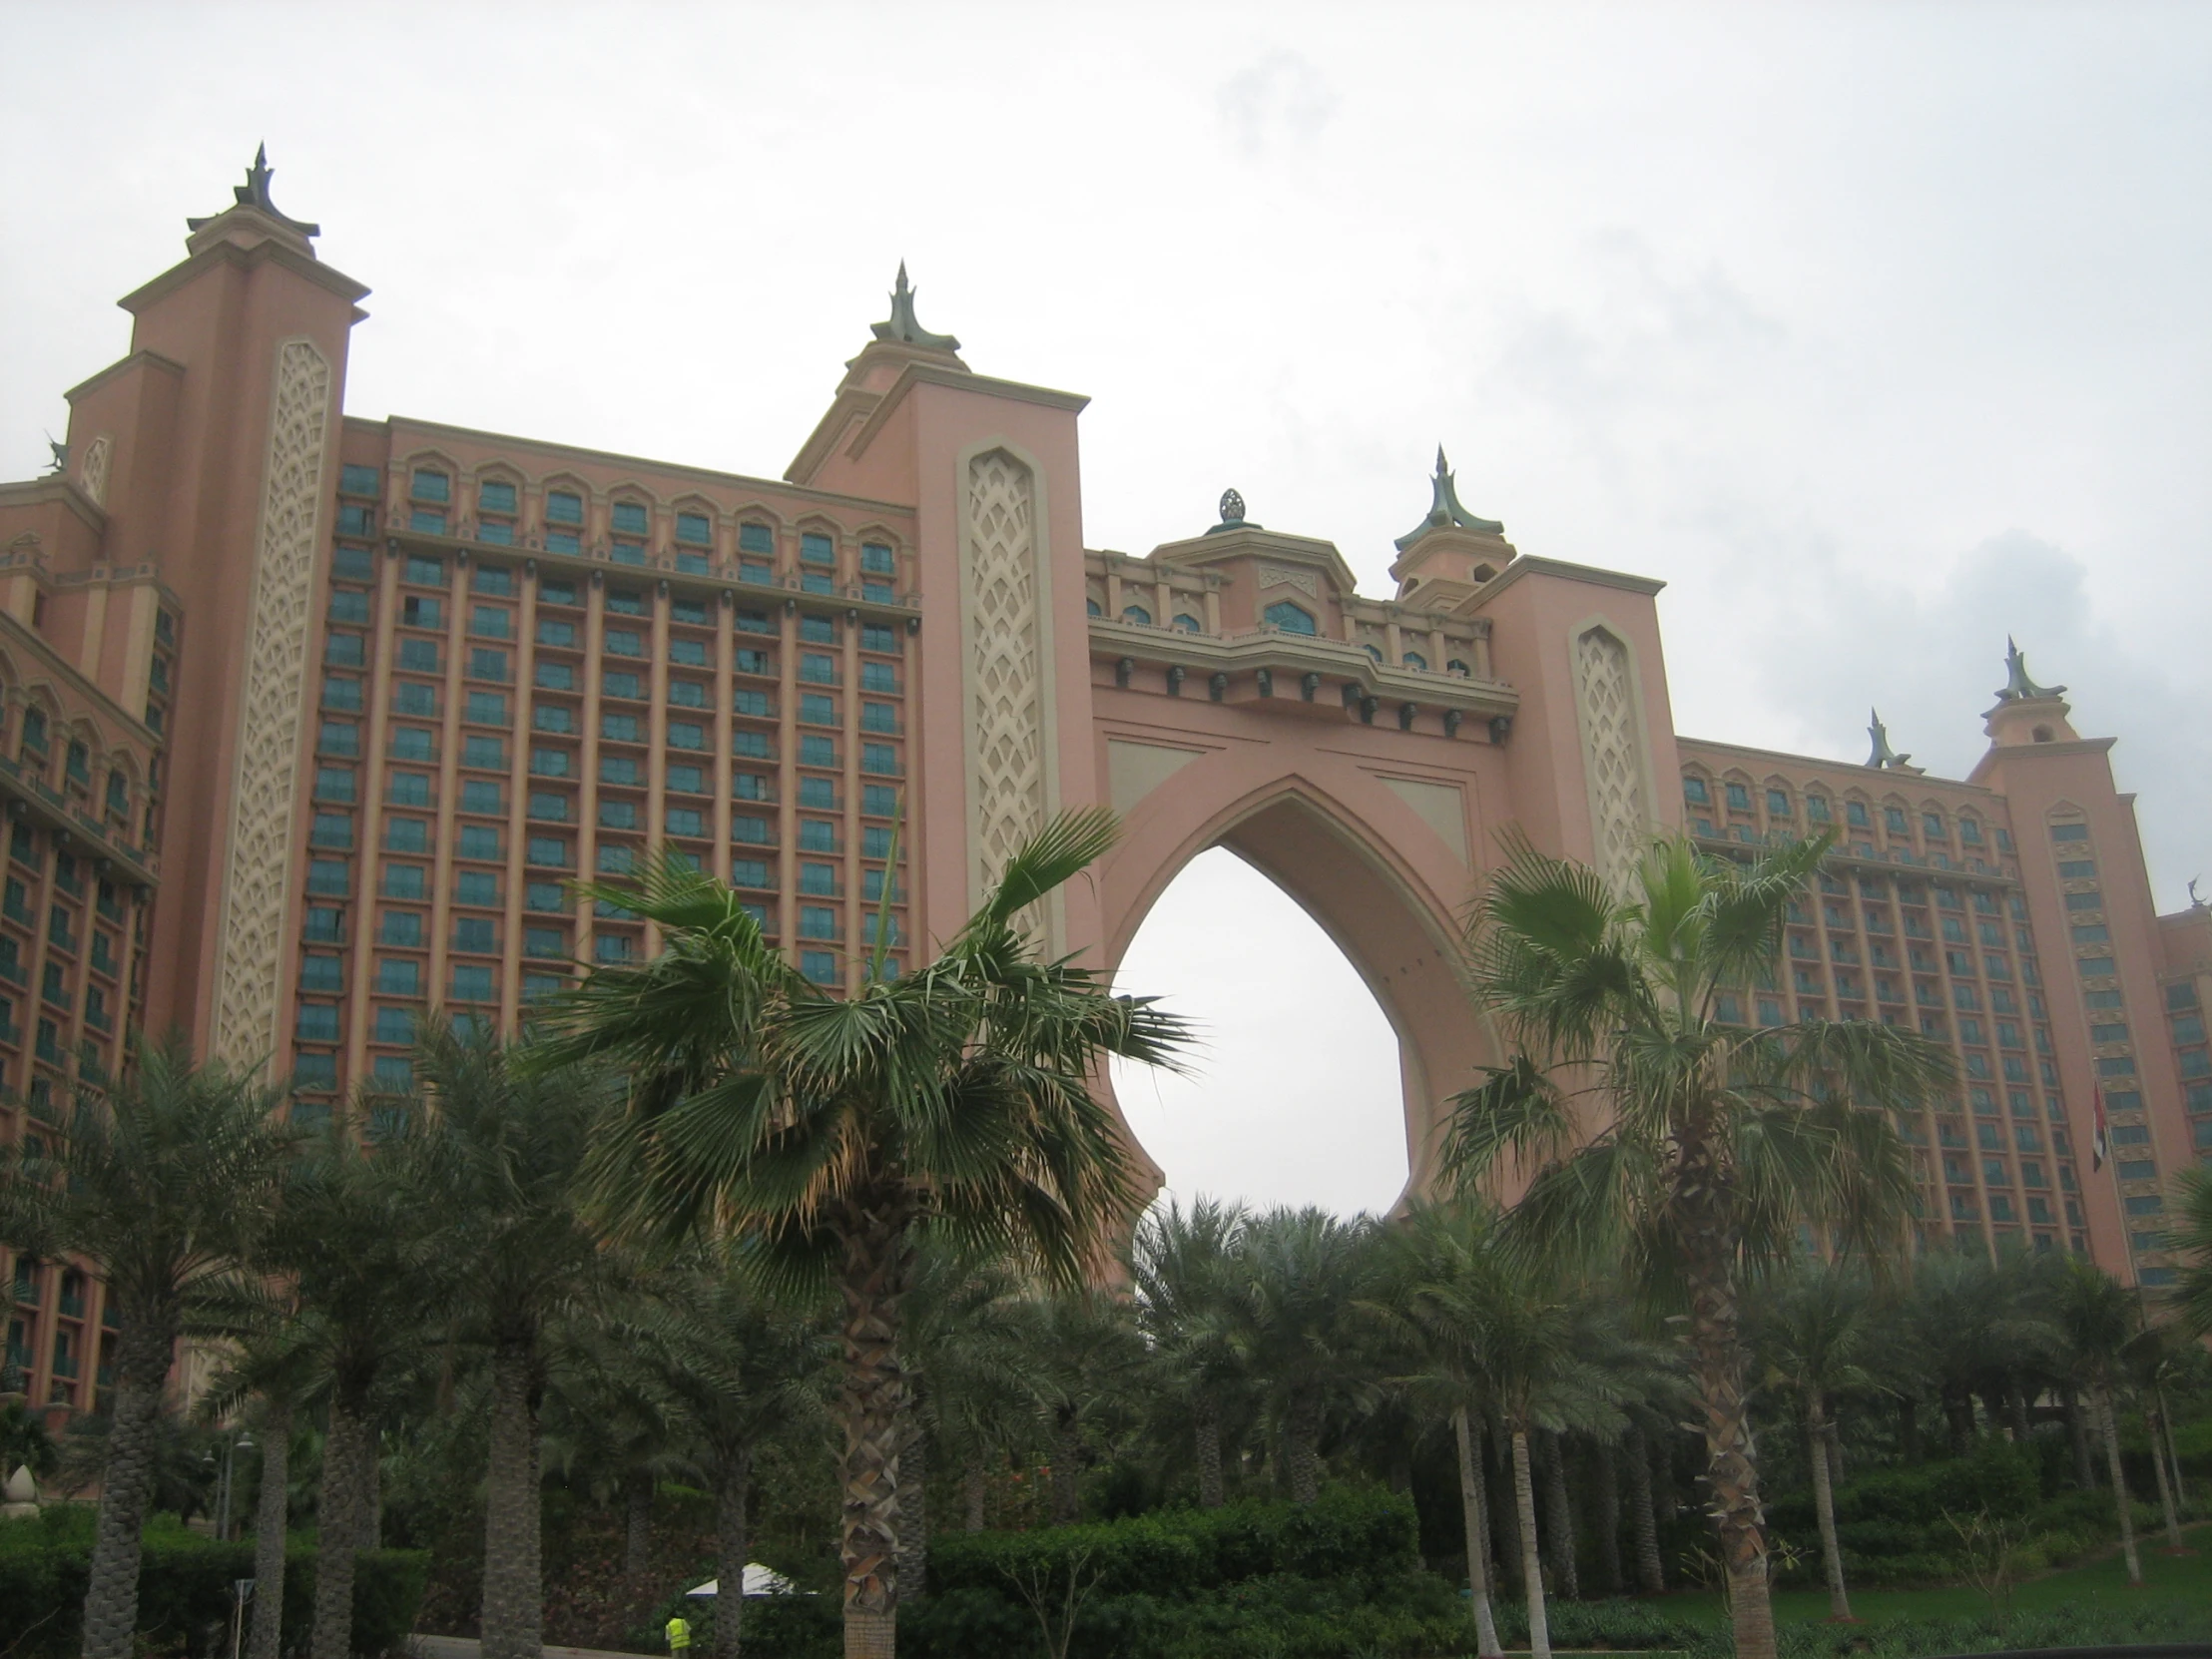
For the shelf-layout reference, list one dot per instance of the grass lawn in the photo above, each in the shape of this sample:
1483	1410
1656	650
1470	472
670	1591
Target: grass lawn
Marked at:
2177	1580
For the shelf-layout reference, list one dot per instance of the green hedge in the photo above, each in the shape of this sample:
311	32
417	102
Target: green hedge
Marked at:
183	1587
1349	1533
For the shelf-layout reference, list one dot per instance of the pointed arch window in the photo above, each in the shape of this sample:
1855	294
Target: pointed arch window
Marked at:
1185	623
1290	617
1414	658
1137	614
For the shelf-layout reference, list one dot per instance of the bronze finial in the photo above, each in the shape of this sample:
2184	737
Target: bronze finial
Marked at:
904	327
2018	687
254	193
1883	756
1444	509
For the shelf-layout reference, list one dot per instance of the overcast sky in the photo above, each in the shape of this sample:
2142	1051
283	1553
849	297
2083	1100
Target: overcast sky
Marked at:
1878	331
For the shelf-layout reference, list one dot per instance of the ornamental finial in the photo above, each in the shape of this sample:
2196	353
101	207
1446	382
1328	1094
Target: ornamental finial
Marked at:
1883	756
1232	515
254	193
1444	508
2018	686
904	327
60	452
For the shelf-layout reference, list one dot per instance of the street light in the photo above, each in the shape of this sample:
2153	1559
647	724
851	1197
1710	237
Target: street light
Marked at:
222	1501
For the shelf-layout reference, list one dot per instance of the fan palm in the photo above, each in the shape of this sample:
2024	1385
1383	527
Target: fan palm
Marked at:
1183	1262
159	1183
1664	1140
502	1159
1812	1335
2191	1238
828	1127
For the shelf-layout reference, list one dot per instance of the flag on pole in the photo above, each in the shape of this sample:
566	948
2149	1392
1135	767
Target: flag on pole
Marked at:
2100	1143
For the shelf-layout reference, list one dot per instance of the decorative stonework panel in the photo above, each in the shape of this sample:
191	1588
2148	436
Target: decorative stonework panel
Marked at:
1282	576
92	478
1005	662
1619	815
259	879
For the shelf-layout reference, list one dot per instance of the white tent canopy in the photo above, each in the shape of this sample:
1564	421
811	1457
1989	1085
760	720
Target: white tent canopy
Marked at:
758	1581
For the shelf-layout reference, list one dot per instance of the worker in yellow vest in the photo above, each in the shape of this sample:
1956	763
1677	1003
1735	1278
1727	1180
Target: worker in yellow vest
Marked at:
679	1635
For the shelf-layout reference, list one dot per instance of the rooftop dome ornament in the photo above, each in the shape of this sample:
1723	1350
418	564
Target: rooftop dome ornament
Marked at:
904	328
1883	756
254	193
1232	515
1444	509
2018	687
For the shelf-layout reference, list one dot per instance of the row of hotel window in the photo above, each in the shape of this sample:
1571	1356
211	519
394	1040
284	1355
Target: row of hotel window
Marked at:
1285	618
1858	815
427	610
483	842
498	524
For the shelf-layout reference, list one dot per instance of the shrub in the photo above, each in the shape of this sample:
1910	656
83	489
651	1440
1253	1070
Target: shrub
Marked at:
184	1587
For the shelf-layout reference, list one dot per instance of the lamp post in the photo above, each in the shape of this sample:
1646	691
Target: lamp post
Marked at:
231	1448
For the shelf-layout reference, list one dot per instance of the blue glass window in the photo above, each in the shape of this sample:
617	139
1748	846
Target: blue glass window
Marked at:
564	507
318	1022
358	480
495	496
431	485
628	517
818	966
1137	614
1289	618
816	549
562	541
755	538
472	983
693	529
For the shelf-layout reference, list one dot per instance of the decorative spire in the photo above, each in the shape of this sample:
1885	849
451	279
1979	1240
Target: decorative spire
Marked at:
904	327
254	193
2018	687
1883	756
60	452
1444	509
1232	515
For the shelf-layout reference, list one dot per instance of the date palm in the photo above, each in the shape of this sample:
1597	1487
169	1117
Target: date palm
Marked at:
828	1127
1184	1265
1666	1144
502	1159
160	1183
2192	1238
1812	1334
732	1369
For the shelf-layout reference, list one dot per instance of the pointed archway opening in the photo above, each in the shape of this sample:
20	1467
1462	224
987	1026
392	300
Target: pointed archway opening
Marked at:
1295	1093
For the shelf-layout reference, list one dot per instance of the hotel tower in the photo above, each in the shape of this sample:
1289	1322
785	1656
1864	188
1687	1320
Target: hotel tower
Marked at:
308	719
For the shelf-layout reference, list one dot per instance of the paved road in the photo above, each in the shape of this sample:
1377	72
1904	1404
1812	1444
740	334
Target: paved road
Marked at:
467	1647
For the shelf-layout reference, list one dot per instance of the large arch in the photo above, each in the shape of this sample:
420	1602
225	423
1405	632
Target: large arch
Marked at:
1383	878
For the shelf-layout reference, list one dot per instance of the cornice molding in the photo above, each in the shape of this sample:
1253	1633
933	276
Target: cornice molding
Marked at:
34	492
1532	564
1290	655
304	266
958	379
137	359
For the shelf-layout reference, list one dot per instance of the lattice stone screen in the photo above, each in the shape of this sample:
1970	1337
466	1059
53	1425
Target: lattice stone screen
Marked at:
1620	817
1005	677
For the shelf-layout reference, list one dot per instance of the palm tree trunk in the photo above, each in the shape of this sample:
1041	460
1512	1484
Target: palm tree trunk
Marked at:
1471	1506
368	1506
1206	1430
2173	1452
2165	1486
1067	1468
2111	1431
637	1523
1909	1428
269	1533
913	1515
2077	1435
871	1281
1717	1365
336	1527
1559	1518
1824	1507
732	1491
1302	1447
1531	1565
514	1581
1651	1576
1608	1517
1958	1419
1831	1441
112	1590
976	1489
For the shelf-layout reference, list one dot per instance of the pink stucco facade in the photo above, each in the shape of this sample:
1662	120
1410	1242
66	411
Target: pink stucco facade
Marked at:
375	689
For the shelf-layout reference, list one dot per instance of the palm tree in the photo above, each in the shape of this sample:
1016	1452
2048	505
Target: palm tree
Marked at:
732	1370
501	1163
2097	1315
1811	1334
357	1235
1436	1280
159	1183
2192	1238
1184	1264
828	1127
1088	1359
1300	1275
1666	1141
269	1363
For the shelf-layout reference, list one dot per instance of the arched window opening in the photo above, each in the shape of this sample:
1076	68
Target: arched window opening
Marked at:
1290	617
1272	1114
1414	658
1137	614
1185	623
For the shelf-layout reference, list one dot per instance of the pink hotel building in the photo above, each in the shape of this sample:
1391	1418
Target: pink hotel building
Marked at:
307	718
